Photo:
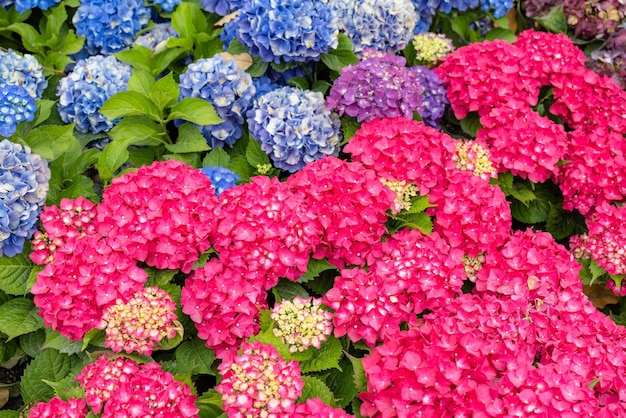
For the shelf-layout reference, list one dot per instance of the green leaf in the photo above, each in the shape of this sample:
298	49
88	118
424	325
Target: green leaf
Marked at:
258	67
336	59
79	186
194	356
314	268
321	86
28	33
521	192
7	350
594	382
44	108
9	414
240	166
562	223
14	272
188	20
18	317
50	141
217	157
617	279
138	131
49	365
555	21
315	388
163	59
94	337
420	221
360	381
59	342
538	208
236	47
420	204
255	155
286	289
32	343
471	124
190	139
195	110
349	126
501	33
596	271
142	82
461	26
159	277
207	45
192	159
300	82
322	284
165	92
130	103
327	357
210	404
112	157
342	384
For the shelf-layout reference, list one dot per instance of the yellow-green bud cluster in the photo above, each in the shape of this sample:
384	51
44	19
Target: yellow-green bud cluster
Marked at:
431	47
301	323
472	265
263	169
472	156
404	193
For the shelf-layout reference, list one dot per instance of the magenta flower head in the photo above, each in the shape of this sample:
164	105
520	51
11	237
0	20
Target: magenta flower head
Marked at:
259	382
57	408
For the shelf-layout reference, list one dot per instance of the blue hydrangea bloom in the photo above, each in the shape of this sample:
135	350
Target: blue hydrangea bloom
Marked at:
434	99
167	5
157	36
424	16
24	5
446	6
499	7
24	181
110	25
263	85
16	106
291	30
294	127
83	92
221	178
385	25
22	70
221	7
228	88
229	32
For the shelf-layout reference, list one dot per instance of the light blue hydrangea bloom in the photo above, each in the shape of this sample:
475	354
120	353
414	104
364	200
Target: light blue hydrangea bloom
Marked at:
24	5
221	7
24	181
22	70
385	25
110	25
157	37
228	88
294	127
287	30
221	178
83	92
167	5
16	106
498	7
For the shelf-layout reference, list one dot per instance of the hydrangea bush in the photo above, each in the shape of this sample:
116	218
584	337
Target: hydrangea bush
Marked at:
312	208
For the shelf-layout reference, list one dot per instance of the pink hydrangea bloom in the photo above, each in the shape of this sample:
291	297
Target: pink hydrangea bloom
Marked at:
224	305
263	227
349	202
317	408
523	142
160	214
401	149
301	323
139	323
71	219
475	156
471	214
86	276
259	382
57	408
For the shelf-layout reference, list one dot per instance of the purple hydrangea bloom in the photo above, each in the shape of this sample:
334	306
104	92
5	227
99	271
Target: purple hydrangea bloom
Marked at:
110	25
294	127
16	106
385	25
595	18
83	92
228	88
157	36
22	70
610	59
24	5
221	7
434	100
287	30
221	178
24	181
378	86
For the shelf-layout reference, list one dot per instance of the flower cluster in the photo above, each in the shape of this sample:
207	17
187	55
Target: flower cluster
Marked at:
86	276
124	387
24	5
379	86
266	229
259	382
110	25
157	37
24	184
610	59
16	106
474	156
72	219
83	92
434	100
160	214
301	323
144	320
224	306
22	70
294	127
431	47
498	8
385	25
228	88
349	202
221	7
596	18
58	408
167	5
306	30
315	407
404	191
221	178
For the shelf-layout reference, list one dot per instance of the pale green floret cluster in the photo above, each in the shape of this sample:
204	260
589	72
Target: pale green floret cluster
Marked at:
404	193
431	47
472	265
301	323
473	157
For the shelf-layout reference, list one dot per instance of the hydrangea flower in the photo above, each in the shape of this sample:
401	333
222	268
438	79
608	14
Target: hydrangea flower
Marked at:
424	16
24	181
83	92
110	26
379	86
384	25
405	192
228	88
498	8
221	7
259	382
58	408
157	37
16	106
24	71
287	30
434	100
594	19
167	5
24	5
160	214
139	323
294	127
73	218
475	156
315	407
431	47
301	323
221	178
224	305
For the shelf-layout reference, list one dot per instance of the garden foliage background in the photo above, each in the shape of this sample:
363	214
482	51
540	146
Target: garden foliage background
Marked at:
312	208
